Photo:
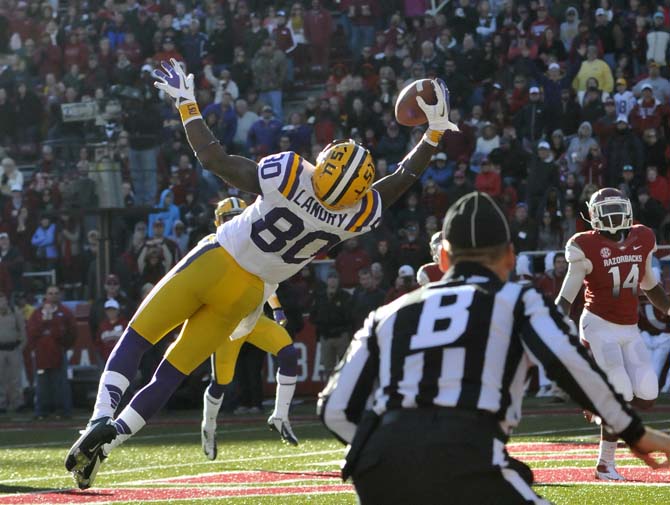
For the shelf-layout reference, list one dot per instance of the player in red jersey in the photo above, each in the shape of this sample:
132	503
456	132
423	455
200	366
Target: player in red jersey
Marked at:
613	261
430	272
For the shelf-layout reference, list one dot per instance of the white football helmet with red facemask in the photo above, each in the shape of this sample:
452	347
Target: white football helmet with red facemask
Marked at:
610	211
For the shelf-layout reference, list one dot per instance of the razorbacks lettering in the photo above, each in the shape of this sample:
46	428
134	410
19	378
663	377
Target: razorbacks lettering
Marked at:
614	271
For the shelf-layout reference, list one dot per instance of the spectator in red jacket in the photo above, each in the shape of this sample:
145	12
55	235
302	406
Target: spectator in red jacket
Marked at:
460	143
594	167
75	52
551	281
404	283
658	186
542	22
649	111
318	32
168	51
51	330
488	179
48	57
349	261
110	329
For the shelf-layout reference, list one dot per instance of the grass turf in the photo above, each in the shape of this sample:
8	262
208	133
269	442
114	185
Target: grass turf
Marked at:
31	458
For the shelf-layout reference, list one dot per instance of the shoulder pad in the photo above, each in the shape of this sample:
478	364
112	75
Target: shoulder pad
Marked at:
280	172
573	252
422	276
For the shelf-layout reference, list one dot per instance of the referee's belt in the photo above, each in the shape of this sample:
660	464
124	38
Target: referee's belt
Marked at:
438	413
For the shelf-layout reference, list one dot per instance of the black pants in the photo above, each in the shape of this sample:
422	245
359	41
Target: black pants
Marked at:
440	457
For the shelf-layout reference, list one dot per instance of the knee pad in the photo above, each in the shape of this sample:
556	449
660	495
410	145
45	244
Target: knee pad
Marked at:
287	358
618	377
645	383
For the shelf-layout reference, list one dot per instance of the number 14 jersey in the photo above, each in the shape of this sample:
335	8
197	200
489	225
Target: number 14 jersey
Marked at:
287	225
615	271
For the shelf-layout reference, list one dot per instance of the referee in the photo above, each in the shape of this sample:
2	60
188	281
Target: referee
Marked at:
445	367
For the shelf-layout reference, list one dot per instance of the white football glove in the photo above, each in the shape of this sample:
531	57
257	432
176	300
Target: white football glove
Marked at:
438	114
173	81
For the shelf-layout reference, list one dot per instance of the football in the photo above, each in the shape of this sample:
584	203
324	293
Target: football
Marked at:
407	111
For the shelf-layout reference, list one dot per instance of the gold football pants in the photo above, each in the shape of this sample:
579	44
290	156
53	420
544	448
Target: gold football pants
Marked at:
210	293
267	335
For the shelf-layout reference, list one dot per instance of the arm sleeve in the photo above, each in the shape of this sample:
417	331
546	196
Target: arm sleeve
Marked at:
551	340
422	277
579	267
342	403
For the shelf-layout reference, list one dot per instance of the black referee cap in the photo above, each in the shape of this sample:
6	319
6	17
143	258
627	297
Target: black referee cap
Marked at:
475	221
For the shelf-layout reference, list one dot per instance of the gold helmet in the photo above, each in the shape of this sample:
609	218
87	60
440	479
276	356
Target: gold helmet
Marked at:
343	175
227	209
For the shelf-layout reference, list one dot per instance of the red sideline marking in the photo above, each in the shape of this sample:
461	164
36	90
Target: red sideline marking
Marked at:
255	477
632	474
156	494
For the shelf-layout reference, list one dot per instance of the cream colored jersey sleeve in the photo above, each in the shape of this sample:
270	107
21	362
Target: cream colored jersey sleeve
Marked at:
579	266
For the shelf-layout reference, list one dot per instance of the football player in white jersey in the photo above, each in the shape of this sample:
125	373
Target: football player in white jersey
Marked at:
268	335
301	210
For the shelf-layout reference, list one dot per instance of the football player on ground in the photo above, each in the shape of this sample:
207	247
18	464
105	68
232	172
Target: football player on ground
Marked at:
614	261
430	272
301	211
268	335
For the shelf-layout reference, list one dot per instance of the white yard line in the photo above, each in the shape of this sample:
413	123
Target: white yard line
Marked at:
590	427
222	433
181	465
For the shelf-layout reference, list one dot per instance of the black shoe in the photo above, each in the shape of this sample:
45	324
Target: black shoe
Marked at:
94	436
84	478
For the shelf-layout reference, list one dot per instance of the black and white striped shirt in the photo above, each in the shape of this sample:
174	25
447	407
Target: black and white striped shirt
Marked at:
466	342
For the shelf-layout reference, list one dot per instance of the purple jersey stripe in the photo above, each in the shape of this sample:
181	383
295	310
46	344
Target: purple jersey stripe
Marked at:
287	173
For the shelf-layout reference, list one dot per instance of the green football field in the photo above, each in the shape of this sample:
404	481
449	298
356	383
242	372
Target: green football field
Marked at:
164	464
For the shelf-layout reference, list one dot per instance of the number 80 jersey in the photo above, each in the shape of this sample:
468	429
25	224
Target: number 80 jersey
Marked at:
287	225
614	271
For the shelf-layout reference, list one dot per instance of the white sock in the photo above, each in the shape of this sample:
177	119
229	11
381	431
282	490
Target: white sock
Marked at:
110	390
606	452
127	424
210	408
284	395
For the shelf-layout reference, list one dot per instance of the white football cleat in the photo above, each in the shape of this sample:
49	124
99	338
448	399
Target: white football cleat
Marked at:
543	392
208	440
592	418
283	427
608	472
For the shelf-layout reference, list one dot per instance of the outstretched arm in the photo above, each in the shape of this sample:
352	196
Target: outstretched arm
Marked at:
392	186
239	171
578	268
652	287
658	297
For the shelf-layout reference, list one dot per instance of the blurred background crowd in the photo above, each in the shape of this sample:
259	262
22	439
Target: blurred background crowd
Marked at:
554	99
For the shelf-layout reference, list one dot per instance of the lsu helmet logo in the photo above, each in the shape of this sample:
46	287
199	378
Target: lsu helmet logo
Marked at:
343	174
227	209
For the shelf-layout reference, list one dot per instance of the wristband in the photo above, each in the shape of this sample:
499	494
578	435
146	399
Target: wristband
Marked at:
188	112
432	137
278	308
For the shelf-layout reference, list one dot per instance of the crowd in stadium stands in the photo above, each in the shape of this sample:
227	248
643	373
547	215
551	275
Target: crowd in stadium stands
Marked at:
553	99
